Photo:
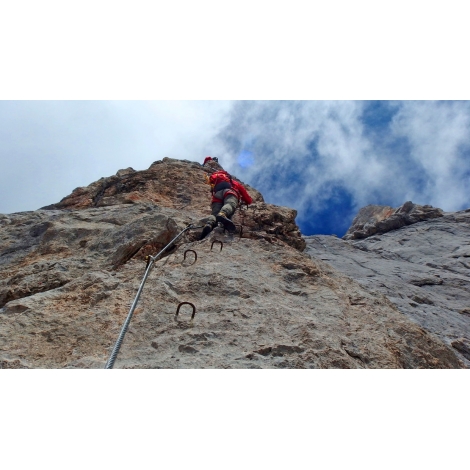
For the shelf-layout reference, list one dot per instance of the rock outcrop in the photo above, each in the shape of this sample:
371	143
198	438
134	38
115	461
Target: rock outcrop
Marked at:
171	183
69	273
424	269
373	219
179	184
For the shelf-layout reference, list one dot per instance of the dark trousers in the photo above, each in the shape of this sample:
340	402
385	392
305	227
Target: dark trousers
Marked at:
228	206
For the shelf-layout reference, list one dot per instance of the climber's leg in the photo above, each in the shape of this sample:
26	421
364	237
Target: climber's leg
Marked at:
211	221
230	205
226	213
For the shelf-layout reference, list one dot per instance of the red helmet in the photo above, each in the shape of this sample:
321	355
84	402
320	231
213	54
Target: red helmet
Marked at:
206	160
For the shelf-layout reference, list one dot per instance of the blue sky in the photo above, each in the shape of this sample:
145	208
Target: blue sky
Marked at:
327	159
330	158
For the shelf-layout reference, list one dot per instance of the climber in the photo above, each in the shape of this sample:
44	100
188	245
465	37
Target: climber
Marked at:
226	195
212	163
208	159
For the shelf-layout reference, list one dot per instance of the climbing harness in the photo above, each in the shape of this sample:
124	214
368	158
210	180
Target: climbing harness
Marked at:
150	261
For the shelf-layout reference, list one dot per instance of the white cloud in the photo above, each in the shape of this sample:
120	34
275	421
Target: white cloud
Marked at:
439	138
305	150
51	147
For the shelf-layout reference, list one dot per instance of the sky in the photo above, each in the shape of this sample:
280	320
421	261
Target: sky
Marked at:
326	159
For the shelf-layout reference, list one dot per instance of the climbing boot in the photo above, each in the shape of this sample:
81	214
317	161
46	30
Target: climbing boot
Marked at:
225	221
205	231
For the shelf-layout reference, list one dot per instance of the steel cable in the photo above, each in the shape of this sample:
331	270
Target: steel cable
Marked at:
117	346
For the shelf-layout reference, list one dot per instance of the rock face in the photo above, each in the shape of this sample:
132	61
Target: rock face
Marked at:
374	219
69	273
179	184
424	269
176	184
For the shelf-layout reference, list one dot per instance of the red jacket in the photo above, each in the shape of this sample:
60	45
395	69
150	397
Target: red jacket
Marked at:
244	195
234	187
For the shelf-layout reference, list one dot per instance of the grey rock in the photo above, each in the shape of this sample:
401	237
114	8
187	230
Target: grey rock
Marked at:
463	346
249	315
126	171
422	268
374	219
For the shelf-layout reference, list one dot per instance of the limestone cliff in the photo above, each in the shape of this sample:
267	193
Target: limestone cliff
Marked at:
422	265
375	219
69	273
